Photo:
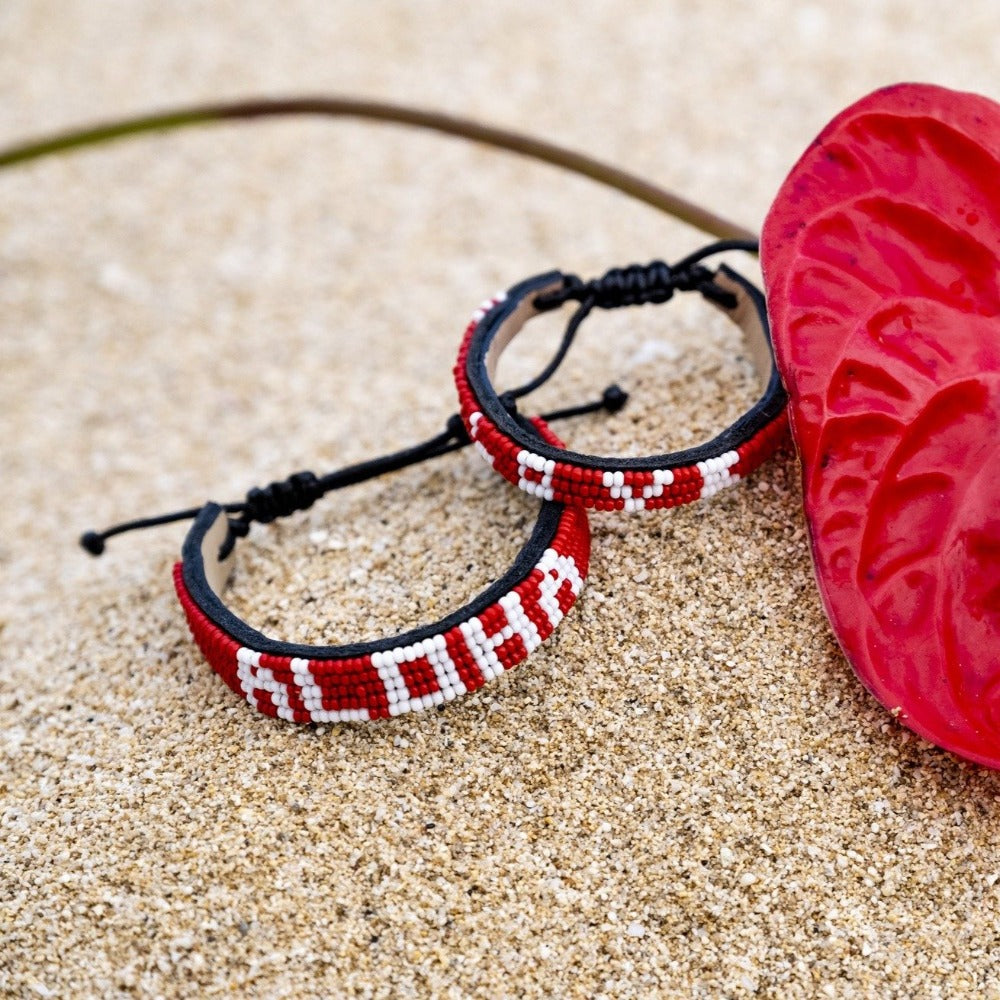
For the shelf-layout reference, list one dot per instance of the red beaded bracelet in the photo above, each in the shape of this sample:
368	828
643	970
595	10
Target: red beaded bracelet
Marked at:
418	669
425	667
526	453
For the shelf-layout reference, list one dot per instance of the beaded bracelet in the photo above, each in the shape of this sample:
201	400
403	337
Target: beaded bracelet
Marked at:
418	669
421	668
528	455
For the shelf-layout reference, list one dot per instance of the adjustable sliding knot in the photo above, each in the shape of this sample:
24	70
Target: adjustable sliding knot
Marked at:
637	284
279	499
634	285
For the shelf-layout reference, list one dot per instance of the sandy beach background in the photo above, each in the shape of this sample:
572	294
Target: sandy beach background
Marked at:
685	792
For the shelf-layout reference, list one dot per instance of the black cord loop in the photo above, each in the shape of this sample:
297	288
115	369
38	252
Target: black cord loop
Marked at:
637	284
302	489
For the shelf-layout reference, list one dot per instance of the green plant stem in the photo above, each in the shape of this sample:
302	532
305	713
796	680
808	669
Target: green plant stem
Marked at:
539	149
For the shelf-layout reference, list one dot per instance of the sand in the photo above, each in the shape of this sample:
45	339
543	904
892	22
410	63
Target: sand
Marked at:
685	792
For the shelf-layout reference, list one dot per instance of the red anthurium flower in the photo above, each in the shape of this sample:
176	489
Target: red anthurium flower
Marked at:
880	257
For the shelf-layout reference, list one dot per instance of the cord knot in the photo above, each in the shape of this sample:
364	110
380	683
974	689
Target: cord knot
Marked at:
279	499
636	285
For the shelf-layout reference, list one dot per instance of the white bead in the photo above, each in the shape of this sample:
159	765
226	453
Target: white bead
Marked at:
608	479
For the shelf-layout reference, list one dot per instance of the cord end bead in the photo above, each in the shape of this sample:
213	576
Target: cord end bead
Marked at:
92	542
614	398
